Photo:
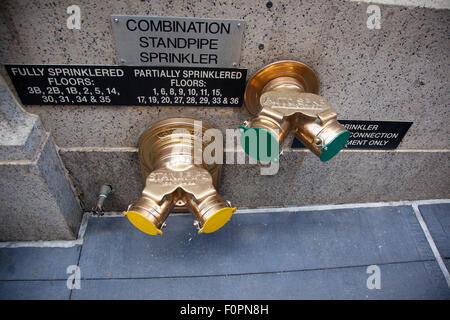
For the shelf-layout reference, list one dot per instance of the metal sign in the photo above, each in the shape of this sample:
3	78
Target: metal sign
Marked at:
127	85
171	41
370	134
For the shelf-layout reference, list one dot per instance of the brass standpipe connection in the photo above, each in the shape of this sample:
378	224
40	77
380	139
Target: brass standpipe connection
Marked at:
174	181
283	97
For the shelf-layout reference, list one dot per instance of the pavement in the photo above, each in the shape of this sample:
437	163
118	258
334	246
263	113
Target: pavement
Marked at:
386	251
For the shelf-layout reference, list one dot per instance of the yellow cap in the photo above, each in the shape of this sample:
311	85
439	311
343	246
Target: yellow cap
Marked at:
217	220
142	223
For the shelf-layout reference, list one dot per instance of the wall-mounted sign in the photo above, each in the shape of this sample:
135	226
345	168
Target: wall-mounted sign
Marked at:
170	41
371	134
127	85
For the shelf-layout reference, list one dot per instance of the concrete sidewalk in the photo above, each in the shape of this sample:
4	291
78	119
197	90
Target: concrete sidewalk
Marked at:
284	254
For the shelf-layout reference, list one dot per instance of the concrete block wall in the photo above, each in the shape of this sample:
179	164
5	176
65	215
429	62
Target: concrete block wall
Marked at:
37	201
399	72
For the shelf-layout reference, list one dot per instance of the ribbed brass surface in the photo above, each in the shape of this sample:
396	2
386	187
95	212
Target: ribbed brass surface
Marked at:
159	146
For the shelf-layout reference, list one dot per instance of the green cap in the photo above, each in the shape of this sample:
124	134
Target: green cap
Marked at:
259	144
334	146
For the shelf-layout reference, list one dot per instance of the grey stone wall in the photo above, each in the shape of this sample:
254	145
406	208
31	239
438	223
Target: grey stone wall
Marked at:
399	72
37	201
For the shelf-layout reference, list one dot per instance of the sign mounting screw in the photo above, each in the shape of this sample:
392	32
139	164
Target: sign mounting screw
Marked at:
116	20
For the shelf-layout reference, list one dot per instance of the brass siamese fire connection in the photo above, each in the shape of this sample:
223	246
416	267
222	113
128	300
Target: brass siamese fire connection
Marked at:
174	181
283	97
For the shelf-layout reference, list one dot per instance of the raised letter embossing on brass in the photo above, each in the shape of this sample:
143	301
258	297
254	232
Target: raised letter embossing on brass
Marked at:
186	177
308	103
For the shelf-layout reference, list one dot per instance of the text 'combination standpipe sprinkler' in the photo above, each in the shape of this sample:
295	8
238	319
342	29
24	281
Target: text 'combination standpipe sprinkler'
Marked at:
174	181
283	97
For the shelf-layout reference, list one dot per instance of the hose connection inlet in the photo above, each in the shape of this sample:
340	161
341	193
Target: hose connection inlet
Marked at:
283	98
174	181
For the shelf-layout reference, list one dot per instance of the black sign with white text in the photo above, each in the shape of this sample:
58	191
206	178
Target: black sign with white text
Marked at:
127	85
370	134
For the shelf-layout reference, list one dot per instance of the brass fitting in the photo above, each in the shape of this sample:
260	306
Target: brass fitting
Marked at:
174	181
283	97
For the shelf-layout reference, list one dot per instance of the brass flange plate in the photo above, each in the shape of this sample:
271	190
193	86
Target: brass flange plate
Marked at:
297	70
154	145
